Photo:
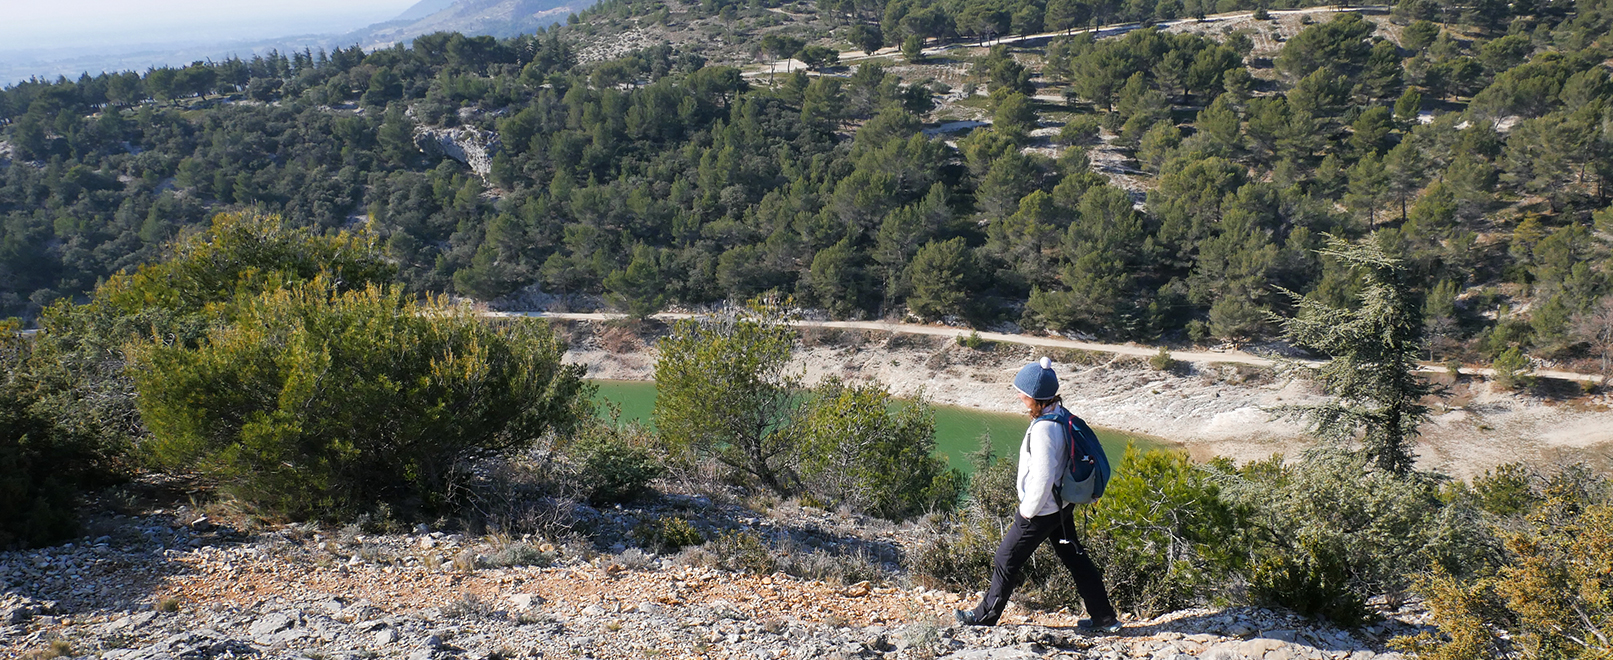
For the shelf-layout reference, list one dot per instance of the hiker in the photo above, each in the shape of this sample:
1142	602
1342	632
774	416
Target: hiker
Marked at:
1042	514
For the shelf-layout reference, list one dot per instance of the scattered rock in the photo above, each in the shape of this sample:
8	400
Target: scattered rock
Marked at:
1258	647
289	593
272	623
190	645
993	654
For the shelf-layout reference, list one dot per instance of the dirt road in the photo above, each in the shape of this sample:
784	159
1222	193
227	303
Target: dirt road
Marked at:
1211	356
848	56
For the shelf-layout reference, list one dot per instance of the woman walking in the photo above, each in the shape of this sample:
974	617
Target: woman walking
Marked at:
1041	515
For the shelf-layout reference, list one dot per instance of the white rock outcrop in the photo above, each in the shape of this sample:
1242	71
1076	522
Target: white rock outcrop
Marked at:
471	146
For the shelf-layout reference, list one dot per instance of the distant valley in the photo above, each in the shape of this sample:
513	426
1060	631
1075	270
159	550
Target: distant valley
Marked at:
499	18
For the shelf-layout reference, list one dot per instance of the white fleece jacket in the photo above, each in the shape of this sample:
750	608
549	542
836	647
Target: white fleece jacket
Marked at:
1041	462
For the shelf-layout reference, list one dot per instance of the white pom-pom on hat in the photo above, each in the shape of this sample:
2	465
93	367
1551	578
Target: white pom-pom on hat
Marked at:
1037	380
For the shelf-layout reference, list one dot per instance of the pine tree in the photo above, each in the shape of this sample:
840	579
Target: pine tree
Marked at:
1406	168
1374	346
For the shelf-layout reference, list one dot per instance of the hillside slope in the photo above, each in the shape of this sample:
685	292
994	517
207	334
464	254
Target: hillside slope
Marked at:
496	18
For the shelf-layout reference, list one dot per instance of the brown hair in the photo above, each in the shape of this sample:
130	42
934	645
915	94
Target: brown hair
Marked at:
1043	404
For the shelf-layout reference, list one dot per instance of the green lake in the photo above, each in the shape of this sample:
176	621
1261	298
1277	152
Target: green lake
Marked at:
957	430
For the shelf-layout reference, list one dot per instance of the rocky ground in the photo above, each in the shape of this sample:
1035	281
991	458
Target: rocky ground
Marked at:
174	584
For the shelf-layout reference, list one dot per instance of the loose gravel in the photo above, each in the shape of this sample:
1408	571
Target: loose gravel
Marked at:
175	585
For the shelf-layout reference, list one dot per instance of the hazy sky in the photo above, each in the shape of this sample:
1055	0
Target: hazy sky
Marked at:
49	24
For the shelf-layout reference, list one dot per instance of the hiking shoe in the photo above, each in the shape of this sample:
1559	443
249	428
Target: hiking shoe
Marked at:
967	618
1099	626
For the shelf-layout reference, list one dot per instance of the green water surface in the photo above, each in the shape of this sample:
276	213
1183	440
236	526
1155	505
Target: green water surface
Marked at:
957	430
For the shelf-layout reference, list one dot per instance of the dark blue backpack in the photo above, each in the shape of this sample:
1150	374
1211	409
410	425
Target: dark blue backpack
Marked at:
1087	470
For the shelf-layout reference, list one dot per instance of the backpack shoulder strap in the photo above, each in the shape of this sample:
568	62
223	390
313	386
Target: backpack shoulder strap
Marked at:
1065	423
1061	421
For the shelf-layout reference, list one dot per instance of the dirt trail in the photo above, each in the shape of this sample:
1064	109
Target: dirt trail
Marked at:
854	55
1131	350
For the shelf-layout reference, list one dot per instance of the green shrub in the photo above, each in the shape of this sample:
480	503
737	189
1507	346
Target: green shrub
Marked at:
78	381
960	556
39	468
37	503
612	470
973	340
993	487
1162	361
521	553
1198	331
1512	369
1550	600
318	402
244	254
668	534
1506	490
1081	129
1315	582
1163	534
723	391
859	449
1330	515
743	552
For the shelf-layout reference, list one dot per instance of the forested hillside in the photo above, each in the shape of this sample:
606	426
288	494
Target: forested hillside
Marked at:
1471	140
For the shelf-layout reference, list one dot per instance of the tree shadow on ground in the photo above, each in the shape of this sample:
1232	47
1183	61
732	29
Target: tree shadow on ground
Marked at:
132	534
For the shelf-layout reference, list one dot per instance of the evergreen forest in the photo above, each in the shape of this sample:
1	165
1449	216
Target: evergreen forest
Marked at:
1473	142
263	274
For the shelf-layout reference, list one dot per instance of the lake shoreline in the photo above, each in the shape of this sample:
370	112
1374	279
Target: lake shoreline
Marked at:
1209	409
958	429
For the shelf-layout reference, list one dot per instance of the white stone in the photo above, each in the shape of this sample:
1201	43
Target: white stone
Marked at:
993	654
270	624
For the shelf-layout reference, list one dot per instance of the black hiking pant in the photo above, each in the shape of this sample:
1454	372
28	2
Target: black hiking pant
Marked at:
1018	544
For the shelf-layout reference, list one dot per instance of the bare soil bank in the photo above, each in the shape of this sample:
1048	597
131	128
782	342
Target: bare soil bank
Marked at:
1209	408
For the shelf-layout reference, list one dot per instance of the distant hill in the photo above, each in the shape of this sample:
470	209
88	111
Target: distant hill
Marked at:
499	18
423	9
